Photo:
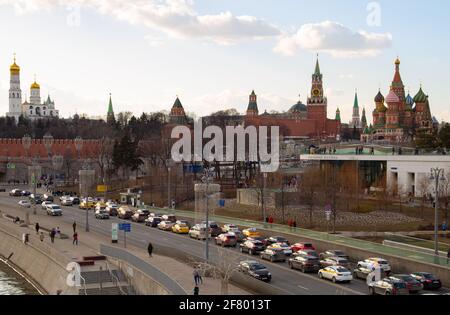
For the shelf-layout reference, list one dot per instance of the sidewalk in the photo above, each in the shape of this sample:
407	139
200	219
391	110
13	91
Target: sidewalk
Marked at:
89	244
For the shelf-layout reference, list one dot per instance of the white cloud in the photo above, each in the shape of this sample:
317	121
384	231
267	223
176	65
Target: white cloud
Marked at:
349	76
176	18
334	92
335	39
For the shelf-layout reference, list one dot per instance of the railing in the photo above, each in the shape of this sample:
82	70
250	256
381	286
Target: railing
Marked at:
115	279
84	284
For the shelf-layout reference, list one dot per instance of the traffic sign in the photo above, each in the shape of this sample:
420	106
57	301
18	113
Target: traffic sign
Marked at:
126	227
102	188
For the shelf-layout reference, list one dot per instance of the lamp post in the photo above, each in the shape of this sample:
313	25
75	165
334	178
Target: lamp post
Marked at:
26	143
48	141
207	178
169	164
263	204
437	174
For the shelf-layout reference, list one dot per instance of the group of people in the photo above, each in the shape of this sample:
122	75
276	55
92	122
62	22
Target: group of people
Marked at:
292	223
359	150
53	233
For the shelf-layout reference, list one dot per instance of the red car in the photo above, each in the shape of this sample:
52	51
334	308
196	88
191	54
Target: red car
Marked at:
302	246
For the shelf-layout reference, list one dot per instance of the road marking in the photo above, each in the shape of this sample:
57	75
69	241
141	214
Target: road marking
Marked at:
302	287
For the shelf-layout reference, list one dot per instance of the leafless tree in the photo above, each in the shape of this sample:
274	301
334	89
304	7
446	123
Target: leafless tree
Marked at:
309	188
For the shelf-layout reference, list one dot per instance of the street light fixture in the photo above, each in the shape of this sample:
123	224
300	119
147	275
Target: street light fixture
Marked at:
26	143
207	178
437	174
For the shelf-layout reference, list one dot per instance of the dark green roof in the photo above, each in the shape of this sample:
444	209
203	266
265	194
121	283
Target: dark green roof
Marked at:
110	106
420	97
299	107
177	104
317	70
356	103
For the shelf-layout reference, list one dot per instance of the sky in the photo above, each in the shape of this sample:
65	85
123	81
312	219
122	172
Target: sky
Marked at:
213	53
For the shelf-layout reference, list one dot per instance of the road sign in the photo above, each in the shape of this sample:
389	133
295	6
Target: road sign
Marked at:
11	166
102	188
115	232
126	227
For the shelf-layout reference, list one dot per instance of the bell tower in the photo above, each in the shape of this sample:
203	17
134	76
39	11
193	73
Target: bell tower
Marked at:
317	102
15	93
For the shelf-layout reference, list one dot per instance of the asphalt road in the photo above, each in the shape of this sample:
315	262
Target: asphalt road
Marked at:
290	281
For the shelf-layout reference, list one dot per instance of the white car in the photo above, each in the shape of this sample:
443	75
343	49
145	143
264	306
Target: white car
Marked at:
54	210
230	228
336	274
66	201
24	203
283	246
371	263
101	214
45	204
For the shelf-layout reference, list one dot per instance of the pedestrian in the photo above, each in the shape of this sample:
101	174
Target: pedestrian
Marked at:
289	222
58	232
196	290
393	150
52	235
271	220
294	224
37	227
196	277
150	249
74	225
75	239
41	236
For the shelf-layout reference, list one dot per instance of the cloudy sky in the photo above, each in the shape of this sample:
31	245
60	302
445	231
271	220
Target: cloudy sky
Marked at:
212	53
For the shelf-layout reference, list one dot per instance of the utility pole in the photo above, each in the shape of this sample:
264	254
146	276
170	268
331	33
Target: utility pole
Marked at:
437	174
207	178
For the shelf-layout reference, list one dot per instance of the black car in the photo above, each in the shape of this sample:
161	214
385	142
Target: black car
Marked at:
153	221
305	263
48	198
75	200
429	281
25	193
36	199
255	270
252	247
333	253
276	239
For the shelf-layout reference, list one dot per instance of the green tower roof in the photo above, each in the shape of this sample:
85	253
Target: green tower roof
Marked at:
356	103
110	106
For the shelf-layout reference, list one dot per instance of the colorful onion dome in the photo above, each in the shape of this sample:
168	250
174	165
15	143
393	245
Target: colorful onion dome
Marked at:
379	98
420	97
392	98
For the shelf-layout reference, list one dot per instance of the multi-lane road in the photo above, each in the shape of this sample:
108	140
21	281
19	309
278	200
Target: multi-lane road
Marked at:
285	279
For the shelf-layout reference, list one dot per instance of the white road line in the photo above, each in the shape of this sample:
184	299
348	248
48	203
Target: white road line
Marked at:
302	287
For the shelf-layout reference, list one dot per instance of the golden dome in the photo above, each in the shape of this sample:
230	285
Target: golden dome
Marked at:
35	86
15	69
397	61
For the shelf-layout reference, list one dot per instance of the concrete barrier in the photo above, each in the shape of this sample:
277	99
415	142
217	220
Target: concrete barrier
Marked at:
144	277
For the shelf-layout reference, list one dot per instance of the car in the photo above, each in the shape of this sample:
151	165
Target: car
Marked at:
257	238
335	261
214	228
363	273
305	263
276	239
15	193
48	197
180	228
168	217
413	285
388	286
239	236
185	222
285	247
139	216
369	262
64	197
229	228
2	190
124	213
112	209
301	246
25	193
44	204
273	255
87	204
166	225
66	201
24	203
101	214
75	200
198	231
255	270
226	239
252	232
306	252
428	280
153	221
54	210
100	206
336	274
36	199
252	247
333	253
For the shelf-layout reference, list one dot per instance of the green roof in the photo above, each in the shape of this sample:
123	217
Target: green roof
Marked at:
420	97
356	103
338	115
110	106
177	103
317	71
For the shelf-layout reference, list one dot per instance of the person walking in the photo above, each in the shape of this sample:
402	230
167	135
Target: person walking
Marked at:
196	277
37	227
58	232
74	225
294	224
41	236
150	249
52	235
75	239
196	290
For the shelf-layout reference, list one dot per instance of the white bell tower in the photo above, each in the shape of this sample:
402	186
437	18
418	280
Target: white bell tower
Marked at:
15	93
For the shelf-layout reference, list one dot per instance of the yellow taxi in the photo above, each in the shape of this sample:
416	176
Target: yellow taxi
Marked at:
100	206
251	232
180	228
87	204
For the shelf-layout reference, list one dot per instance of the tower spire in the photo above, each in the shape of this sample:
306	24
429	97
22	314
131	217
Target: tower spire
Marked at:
317	70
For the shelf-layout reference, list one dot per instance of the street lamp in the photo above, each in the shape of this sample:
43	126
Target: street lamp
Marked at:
207	178
437	174
169	164
78	145
26	143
